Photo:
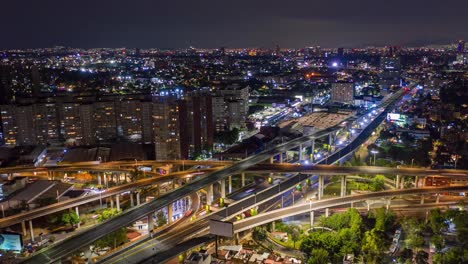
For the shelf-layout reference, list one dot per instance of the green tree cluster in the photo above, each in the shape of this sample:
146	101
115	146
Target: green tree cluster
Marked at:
161	219
384	220
259	234
413	229
70	218
345	239
115	238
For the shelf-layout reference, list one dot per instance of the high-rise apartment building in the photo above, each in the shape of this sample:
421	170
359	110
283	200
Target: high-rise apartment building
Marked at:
166	128
105	121
342	93
390	71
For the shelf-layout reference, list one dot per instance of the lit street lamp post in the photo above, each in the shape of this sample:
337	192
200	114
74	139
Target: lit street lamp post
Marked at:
374	152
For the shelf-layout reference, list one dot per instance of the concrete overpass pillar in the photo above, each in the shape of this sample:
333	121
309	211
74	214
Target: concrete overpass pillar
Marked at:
31	230
320	187
437	198
150	222
330	140
416	181
273	226
313	150
422	198
402	183
343	185
368	205
300	153
397	182
117	201
170	213
272	159
389	201
111	202
223	188
23	226
281	157
138	198
105	180
312	216
131	199
77	211
243	179
99	182
209	194
327	212
230	184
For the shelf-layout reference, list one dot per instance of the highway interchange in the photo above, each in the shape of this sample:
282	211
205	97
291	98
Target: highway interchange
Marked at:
59	250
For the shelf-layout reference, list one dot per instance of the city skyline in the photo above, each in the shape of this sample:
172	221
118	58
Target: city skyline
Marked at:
241	24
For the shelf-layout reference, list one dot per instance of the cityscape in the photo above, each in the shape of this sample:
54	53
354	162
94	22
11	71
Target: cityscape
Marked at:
261	150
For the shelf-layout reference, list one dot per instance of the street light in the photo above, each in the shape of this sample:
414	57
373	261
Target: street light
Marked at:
374	152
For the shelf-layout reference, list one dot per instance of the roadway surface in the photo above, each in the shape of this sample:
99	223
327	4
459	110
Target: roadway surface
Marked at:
345	170
64	248
56	207
304	208
259	168
168	247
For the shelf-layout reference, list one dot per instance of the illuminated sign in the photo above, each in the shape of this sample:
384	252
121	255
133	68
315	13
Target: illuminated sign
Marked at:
11	242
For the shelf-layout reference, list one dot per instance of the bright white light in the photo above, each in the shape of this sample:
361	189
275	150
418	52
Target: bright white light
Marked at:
335	64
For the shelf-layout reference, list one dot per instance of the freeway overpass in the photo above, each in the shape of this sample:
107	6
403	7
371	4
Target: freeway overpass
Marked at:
56	207
168	246
59	250
344	170
259	168
304	208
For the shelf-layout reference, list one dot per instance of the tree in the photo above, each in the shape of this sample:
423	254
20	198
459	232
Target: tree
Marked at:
378	183
406	255
318	256
295	233
70	218
115	238
438	242
373	245
383	220
259	234
161	219
437	221
422	257
108	213
413	229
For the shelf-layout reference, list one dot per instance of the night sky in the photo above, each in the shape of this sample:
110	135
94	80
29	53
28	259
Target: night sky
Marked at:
234	23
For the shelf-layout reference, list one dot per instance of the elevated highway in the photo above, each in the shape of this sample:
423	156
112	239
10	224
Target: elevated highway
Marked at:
62	249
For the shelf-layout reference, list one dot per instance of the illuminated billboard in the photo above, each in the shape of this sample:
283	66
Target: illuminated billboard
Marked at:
11	242
399	119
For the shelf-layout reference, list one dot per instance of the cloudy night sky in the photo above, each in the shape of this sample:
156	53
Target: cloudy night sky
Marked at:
241	23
